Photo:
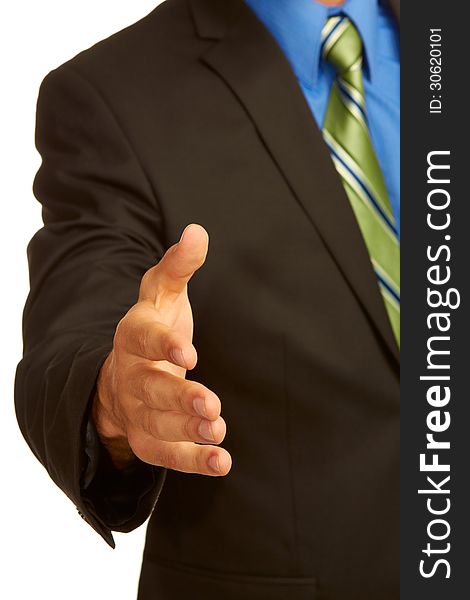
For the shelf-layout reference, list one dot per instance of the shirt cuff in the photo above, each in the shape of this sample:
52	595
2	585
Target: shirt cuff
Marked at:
121	498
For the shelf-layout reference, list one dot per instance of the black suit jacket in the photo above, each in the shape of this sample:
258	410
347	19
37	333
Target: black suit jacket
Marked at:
194	115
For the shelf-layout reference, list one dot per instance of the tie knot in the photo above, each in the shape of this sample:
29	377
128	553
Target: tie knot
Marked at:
341	44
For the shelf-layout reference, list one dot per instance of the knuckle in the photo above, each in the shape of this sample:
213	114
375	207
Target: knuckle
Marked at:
151	424
186	395
171	459
147	283
120	334
126	328
142	335
132	376
144	282
177	400
189	429
146	388
168	253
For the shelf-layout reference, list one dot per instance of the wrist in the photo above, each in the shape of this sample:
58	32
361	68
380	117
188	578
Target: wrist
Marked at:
110	430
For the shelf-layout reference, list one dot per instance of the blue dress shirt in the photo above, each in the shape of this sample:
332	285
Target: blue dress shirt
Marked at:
297	26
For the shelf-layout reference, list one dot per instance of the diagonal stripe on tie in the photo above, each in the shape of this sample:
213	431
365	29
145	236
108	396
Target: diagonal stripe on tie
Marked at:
347	136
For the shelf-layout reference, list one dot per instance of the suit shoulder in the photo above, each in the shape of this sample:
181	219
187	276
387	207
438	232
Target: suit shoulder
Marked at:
156	38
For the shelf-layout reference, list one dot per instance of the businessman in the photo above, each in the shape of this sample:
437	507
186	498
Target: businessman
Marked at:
242	392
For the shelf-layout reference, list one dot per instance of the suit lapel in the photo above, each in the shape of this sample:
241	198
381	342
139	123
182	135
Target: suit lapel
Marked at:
254	67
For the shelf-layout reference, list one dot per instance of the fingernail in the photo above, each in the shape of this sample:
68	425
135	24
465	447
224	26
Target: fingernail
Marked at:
199	405
214	463
205	430
177	357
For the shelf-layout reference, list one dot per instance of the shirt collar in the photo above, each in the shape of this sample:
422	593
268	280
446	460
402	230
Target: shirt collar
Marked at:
297	26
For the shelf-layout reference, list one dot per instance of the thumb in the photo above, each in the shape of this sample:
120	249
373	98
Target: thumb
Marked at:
178	264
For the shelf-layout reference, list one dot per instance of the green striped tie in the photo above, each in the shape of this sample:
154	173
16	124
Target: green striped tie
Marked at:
346	133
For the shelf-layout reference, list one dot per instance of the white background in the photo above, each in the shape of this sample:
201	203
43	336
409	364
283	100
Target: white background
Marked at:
47	551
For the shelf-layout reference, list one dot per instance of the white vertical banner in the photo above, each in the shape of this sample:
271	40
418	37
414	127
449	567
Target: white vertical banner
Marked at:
48	551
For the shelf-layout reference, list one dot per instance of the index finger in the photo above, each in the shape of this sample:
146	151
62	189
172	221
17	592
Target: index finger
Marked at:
141	334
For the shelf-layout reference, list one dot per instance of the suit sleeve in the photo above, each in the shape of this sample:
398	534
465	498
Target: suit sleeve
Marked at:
102	231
